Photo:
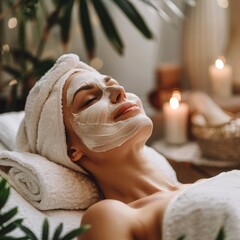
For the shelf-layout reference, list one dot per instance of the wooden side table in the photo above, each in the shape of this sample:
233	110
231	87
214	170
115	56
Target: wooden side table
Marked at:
189	172
188	163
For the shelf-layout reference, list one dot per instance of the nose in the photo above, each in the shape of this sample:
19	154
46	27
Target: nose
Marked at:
117	93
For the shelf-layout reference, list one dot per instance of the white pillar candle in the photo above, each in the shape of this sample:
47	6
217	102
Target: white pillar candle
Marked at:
221	79
175	121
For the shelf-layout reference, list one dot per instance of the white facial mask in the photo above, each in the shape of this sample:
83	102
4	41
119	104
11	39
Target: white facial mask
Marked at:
93	124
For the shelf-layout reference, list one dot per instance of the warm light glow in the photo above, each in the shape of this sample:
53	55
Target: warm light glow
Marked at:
192	3
96	63
174	103
12	22
219	64
12	82
177	94
5	48
222	3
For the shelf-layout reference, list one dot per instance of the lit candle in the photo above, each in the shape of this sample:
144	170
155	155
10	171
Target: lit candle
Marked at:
221	77
175	121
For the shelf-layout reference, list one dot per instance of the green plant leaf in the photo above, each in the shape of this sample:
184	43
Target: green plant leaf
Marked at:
19	54
12	71
181	238
65	21
86	25
108	26
29	8
58	232
13	238
150	4
45	230
10	227
130	11
42	67
28	232
221	234
4	194
76	232
55	2
3	183
8	215
53	18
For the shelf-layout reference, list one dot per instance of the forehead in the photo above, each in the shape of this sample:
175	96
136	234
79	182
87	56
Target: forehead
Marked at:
86	77
82	79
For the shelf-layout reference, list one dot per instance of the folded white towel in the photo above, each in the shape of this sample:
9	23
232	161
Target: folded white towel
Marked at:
42	130
200	211
47	185
9	123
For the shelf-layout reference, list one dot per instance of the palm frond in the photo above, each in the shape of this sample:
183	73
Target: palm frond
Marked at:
130	11
108	26
85	22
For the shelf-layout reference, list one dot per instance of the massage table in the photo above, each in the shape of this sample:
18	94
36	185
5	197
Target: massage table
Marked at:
200	212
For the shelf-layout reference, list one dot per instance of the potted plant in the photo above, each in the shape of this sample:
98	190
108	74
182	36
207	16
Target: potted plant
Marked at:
25	65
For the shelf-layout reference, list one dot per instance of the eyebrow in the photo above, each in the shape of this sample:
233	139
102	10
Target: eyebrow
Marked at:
82	88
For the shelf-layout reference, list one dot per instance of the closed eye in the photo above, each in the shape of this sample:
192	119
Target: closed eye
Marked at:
85	97
89	102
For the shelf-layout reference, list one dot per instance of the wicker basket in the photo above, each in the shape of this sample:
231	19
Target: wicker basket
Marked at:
219	142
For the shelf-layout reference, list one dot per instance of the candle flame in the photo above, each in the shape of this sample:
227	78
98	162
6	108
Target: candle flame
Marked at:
219	64
174	103
12	23
5	48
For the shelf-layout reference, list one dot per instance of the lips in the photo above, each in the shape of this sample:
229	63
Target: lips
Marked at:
124	108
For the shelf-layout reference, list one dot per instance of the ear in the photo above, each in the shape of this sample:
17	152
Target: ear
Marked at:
75	154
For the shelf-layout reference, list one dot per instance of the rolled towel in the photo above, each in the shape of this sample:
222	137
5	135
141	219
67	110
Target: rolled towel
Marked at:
47	185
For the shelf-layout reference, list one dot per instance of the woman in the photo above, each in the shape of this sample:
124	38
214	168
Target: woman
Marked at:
97	111
86	121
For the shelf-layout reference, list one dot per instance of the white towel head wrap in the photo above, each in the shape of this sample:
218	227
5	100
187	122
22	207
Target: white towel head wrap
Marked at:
42	130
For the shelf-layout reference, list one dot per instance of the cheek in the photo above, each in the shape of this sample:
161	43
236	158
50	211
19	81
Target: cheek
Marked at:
96	114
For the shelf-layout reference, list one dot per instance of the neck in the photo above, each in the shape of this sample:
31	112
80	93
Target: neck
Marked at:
128	176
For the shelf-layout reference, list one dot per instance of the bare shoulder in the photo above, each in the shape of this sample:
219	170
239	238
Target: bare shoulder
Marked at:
109	219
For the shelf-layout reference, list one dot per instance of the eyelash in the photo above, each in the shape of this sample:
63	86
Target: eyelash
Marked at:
88	102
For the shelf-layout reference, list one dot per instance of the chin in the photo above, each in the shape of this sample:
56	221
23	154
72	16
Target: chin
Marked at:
144	131
147	128
135	130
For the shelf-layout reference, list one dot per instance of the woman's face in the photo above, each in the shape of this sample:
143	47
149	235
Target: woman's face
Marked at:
102	114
